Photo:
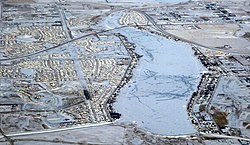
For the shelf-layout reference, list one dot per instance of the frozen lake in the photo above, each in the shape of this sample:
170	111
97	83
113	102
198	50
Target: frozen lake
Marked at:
162	83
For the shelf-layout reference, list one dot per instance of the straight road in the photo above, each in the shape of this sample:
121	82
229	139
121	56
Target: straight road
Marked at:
55	130
220	136
64	43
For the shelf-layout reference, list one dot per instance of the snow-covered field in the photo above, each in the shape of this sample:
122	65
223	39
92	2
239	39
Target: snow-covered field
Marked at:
148	1
124	1
162	83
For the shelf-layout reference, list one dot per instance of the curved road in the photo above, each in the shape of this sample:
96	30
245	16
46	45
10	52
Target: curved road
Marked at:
108	123
175	36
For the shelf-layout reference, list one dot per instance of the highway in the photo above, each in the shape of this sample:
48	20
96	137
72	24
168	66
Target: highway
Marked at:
175	36
63	20
163	31
54	130
1	10
207	135
64	43
210	135
188	136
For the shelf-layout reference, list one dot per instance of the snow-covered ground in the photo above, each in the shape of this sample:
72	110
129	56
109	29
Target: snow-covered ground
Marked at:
148	1
162	83
123	1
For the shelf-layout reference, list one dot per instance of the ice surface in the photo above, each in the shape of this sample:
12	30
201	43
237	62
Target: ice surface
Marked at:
163	81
